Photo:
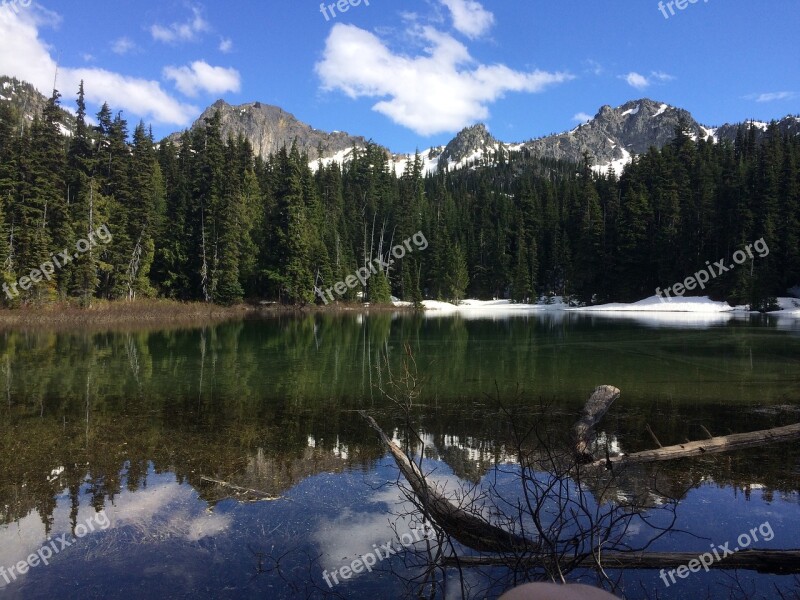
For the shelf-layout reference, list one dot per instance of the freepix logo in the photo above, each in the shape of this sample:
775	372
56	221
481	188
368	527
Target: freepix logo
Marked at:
54	546
679	4
342	5
15	5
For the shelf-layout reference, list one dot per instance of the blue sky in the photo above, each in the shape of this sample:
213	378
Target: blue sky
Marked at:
411	73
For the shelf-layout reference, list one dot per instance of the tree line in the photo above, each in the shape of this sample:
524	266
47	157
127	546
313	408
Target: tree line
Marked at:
205	219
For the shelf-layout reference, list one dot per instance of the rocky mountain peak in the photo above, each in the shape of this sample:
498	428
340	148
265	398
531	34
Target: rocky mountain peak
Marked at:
269	128
468	142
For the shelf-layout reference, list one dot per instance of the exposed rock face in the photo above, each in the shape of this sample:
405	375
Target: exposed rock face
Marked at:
269	128
468	142
633	128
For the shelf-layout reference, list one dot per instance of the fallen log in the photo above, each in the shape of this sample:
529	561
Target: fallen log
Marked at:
714	445
465	527
596	407
782	562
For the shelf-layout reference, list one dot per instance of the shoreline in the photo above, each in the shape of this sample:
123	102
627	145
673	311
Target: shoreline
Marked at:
161	314
171	314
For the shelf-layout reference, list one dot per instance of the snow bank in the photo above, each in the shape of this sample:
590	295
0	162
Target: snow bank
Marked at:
653	310
489	309
700	304
790	307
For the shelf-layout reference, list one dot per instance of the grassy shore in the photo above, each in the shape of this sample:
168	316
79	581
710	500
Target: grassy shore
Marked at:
139	314
158	314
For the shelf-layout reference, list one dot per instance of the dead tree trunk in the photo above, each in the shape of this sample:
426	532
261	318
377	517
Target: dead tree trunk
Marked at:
476	533
782	562
725	443
470	530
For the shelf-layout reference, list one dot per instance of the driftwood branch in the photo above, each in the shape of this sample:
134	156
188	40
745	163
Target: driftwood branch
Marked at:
596	407
465	527
725	443
765	561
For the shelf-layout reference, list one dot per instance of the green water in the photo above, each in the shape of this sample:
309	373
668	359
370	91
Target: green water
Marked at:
133	422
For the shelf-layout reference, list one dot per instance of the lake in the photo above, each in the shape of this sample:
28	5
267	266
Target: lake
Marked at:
139	461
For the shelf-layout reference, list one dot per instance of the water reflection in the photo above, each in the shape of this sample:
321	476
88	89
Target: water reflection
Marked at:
131	423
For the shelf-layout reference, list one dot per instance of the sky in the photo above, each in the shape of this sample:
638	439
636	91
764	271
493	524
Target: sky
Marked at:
410	74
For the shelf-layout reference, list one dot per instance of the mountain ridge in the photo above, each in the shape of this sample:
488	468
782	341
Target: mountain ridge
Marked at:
612	137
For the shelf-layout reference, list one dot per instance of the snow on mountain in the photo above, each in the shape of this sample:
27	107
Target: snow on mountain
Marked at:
617	165
613	138
661	110
711	132
430	161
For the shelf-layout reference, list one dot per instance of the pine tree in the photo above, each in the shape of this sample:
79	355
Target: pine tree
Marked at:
589	267
459	277
85	199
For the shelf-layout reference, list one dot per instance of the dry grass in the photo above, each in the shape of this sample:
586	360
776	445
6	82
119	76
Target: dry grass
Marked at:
152	314
137	315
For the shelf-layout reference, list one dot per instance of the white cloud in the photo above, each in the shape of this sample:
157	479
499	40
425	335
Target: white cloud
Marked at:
181	32
582	117
123	45
633	79
641	82
225	45
442	90
24	55
661	76
772	96
469	17
200	76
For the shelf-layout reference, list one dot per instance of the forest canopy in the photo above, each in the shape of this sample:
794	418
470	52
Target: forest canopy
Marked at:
205	219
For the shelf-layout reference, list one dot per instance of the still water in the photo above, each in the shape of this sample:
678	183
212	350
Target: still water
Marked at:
112	445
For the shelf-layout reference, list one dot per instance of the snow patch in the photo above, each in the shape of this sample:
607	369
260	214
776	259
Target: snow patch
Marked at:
711	133
699	304
340	158
430	164
618	165
489	309
661	110
790	307
632	111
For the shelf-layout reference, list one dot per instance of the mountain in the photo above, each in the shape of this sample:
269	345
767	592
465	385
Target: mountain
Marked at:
28	103
615	134
269	128
612	137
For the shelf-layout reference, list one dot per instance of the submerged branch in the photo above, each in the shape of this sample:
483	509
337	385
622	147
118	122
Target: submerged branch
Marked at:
258	495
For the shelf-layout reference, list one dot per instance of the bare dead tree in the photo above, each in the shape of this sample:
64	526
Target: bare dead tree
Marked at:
556	513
